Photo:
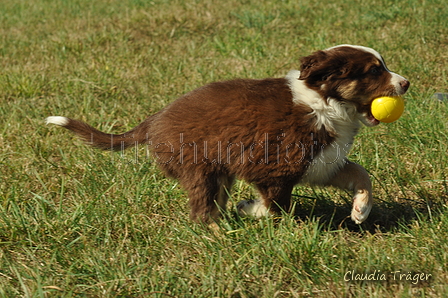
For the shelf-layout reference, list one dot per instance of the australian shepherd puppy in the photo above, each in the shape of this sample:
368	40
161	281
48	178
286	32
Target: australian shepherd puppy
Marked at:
274	133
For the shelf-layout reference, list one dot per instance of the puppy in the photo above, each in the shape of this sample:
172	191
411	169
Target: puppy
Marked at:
274	133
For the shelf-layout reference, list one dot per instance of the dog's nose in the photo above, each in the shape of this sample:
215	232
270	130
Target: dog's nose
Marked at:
405	85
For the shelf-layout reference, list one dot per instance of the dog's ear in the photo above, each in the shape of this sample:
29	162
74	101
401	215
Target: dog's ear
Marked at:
321	66
311	64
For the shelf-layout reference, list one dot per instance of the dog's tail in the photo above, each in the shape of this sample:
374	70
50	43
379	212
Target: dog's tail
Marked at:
101	140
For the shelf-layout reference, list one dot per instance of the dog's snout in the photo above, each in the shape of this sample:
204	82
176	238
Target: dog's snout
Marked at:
405	85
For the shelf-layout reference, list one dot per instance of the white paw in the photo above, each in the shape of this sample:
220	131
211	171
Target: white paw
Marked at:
254	208
362	204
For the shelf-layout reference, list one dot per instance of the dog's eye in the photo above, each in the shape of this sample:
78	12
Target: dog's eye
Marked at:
375	70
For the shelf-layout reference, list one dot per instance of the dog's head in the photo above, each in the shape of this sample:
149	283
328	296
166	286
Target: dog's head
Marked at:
352	74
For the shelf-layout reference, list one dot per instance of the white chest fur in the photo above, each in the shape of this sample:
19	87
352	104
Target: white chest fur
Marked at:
337	117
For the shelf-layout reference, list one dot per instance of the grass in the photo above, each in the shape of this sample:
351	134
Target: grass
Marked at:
79	222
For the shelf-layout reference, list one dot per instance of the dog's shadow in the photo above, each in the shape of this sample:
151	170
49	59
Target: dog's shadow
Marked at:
385	216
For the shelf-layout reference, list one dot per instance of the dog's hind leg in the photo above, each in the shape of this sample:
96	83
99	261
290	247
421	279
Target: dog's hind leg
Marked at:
275	197
208	196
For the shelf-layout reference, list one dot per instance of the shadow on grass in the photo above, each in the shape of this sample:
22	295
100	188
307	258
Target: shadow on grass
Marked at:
384	217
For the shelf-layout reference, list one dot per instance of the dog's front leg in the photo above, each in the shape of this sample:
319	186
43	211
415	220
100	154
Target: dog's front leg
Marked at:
355	178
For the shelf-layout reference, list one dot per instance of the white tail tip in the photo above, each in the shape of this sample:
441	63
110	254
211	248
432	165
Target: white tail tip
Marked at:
58	120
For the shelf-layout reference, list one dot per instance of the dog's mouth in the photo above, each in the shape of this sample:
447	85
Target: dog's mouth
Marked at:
369	119
365	115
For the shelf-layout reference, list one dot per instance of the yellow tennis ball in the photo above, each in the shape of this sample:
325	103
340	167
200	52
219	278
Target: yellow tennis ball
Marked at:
387	108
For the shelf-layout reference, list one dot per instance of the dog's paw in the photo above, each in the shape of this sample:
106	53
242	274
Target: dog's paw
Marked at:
253	208
362	204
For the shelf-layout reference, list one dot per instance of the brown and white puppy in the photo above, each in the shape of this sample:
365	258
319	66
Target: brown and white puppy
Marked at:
274	133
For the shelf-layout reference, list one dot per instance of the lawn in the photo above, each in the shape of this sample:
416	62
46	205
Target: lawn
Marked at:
75	221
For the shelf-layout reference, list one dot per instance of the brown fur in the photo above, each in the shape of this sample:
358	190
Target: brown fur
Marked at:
239	128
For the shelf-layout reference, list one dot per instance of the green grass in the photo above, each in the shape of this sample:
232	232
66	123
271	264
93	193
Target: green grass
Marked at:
79	222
